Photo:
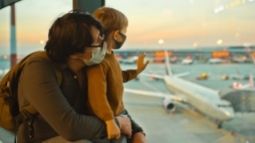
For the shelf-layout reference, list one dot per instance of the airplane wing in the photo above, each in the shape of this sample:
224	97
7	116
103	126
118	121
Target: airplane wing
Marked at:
155	94
161	77
169	101
155	76
182	74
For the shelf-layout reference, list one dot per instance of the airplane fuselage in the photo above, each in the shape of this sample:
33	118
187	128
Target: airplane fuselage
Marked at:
205	100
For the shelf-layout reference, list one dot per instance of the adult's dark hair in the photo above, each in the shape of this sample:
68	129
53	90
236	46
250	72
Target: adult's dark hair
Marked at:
70	34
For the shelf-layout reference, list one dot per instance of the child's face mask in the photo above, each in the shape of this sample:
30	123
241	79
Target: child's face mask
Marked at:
120	43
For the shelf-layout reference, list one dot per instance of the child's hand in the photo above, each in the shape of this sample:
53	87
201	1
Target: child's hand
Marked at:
113	131
125	125
140	63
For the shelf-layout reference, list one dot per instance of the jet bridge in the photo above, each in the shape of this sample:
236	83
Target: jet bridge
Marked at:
241	100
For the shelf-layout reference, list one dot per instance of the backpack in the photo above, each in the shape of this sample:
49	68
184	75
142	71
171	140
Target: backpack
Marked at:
9	107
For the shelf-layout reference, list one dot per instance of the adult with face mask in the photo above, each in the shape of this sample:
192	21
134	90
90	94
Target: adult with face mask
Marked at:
105	80
74	42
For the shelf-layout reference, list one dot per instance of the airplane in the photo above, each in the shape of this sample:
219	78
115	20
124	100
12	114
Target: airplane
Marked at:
207	101
187	61
239	86
236	85
215	61
173	59
239	59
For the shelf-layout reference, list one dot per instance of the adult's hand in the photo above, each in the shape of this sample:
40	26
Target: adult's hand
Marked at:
140	64
139	137
125	125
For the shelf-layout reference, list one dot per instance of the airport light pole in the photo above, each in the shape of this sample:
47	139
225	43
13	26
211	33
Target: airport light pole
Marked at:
13	47
13	42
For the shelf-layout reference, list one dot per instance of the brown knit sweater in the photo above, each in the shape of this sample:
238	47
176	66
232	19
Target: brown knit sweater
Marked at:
105	87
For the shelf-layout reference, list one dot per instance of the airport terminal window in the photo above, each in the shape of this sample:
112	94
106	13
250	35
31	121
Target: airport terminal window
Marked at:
33	18
210	46
174	24
188	23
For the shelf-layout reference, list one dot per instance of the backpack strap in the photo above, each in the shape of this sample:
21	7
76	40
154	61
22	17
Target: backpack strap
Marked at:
57	70
28	114
12	80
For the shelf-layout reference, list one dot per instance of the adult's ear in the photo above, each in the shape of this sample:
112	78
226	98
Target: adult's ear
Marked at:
74	56
87	54
84	55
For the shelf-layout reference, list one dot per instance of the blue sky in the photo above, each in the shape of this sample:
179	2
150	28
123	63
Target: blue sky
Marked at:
179	23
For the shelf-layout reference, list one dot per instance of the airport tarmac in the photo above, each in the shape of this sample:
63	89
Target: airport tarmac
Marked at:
185	125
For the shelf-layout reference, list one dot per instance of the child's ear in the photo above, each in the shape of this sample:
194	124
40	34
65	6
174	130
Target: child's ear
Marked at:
116	35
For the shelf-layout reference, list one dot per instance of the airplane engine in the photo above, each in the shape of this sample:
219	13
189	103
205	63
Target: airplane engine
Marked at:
168	104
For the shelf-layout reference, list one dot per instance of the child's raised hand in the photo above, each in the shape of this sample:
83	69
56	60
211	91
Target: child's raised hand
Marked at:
140	63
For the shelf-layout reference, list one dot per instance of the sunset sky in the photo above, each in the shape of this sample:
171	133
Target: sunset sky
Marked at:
179	23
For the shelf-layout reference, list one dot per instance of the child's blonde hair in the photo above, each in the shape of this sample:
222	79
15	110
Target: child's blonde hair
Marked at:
111	19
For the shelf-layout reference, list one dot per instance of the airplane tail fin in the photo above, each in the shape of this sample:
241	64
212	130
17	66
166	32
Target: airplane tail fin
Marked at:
168	67
167	64
251	81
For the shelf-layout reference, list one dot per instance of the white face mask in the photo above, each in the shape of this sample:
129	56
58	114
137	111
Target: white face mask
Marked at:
97	56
